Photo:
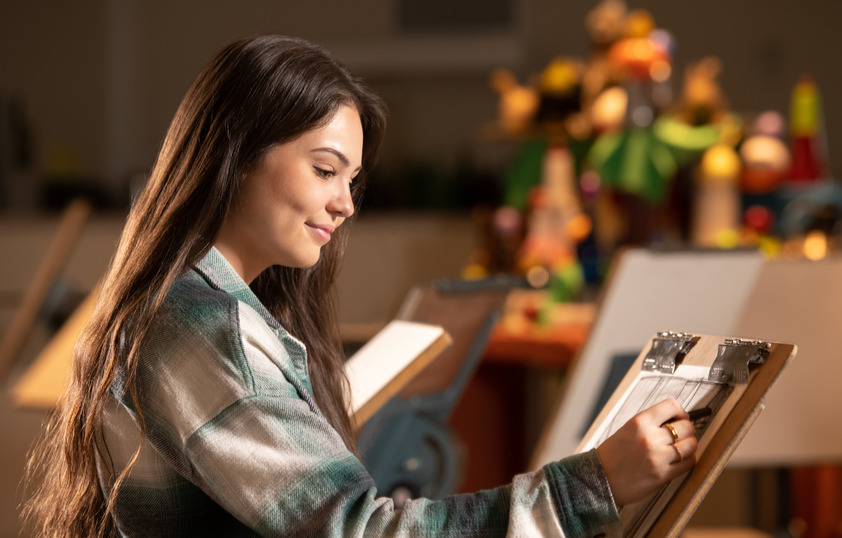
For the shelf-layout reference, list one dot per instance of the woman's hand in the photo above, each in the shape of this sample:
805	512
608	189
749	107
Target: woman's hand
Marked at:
643	455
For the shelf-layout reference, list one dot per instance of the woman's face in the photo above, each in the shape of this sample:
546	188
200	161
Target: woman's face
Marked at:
294	198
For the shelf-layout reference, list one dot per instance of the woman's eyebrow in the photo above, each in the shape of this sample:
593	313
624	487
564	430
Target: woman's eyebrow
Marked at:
338	154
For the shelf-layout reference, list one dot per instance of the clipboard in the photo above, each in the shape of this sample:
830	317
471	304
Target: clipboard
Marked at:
647	291
729	375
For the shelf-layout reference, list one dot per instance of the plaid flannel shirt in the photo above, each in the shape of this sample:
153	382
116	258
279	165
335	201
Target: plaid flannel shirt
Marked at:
235	444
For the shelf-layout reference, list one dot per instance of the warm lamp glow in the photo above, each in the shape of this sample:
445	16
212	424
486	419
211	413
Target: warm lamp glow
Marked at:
815	246
609	108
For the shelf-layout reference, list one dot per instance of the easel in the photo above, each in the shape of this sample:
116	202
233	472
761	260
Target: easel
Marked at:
727	293
70	229
407	446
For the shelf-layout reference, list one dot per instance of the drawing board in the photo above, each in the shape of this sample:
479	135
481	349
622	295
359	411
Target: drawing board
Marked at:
798	301
647	291
727	375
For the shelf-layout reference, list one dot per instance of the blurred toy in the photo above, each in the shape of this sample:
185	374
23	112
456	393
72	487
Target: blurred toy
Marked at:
608	112
606	24
716	215
555	221
765	157
700	118
638	57
518	104
702	101
631	159
556	224
559	92
805	129
818	208
661	72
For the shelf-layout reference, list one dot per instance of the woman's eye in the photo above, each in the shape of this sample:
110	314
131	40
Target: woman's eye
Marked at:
322	173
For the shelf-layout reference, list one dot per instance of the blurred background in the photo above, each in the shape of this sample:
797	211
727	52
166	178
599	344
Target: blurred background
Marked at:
533	138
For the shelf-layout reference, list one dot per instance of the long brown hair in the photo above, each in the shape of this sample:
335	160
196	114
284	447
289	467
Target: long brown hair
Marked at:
254	94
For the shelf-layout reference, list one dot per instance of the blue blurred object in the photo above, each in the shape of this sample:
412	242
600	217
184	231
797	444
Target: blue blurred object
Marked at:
407	446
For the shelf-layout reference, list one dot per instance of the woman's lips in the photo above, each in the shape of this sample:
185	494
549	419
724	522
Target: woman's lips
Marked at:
323	231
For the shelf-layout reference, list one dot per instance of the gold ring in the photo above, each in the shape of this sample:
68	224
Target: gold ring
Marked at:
674	433
678	453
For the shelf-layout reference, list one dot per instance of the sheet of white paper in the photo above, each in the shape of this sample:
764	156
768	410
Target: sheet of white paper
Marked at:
385	356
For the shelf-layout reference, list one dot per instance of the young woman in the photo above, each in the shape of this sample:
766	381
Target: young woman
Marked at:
207	396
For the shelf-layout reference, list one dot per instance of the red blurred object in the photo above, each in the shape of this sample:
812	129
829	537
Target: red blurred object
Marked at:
637	55
806	131
759	219
806	165
816	494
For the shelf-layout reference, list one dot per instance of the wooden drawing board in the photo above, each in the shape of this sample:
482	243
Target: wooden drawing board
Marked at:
647	291
390	360
697	381
466	314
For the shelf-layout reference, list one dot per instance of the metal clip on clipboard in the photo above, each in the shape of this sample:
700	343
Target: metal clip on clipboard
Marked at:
667	351
735	359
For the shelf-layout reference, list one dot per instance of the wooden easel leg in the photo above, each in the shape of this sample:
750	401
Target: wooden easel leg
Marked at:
69	231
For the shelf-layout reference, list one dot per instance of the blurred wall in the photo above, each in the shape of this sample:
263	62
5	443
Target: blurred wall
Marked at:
101	79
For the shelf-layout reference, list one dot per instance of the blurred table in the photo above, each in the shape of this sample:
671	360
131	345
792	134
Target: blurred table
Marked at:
536	333
503	408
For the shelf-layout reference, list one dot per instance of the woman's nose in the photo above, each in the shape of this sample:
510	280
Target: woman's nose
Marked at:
342	203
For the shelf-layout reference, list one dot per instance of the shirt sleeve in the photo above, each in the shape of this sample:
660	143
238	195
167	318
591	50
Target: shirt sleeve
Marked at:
281	469
246	431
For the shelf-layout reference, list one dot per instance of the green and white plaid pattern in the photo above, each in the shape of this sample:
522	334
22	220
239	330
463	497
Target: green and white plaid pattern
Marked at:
236	446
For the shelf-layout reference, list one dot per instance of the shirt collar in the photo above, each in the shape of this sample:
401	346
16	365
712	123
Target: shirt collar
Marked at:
216	270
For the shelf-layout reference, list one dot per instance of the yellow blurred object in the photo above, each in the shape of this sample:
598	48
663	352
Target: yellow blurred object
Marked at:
727	239
720	163
815	245
716	203
770	247
609	109
805	108
559	77
474	271
639	23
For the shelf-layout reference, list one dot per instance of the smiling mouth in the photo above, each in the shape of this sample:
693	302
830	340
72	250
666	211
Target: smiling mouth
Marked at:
323	233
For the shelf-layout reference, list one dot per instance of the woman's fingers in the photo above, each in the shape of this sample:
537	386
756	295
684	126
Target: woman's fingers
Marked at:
684	450
677	430
665	411
652	448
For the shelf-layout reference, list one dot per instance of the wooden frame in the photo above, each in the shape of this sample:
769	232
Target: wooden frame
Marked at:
668	512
